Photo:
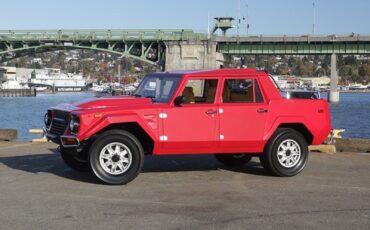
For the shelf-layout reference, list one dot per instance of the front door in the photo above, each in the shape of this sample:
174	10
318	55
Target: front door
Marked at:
243	113
192	127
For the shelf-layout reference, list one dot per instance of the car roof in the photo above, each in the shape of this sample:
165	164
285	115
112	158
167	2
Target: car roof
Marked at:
214	72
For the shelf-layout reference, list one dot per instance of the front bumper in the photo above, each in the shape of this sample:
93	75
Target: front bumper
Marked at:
64	140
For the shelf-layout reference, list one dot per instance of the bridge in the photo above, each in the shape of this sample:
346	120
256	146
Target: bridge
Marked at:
179	49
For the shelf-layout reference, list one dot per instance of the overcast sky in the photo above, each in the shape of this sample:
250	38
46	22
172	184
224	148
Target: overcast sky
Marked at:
267	17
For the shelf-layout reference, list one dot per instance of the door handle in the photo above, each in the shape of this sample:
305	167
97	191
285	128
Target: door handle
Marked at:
262	110
211	112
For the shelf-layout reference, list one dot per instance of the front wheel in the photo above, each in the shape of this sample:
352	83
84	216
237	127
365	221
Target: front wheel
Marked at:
116	157
286	153
233	159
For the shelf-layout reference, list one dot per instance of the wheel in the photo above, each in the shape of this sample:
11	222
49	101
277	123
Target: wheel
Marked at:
116	157
77	161
233	159
285	154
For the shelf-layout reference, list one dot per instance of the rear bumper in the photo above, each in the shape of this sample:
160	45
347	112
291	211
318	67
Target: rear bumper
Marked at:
64	140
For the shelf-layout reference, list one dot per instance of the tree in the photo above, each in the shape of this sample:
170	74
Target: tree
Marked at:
362	70
299	68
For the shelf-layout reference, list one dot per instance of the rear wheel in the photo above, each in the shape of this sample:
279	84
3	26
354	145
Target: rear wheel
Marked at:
286	153
75	160
233	159
116	157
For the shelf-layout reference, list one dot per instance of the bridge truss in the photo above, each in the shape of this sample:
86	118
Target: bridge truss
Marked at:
150	45
144	45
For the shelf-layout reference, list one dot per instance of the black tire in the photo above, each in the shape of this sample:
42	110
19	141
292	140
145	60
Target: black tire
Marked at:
293	148
233	160
129	149
76	161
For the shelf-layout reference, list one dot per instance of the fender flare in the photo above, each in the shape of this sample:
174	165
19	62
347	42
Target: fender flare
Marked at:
106	121
286	120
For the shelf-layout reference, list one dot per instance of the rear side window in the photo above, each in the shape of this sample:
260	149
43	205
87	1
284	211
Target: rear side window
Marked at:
241	91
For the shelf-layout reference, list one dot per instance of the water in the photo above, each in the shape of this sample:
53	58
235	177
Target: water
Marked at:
353	114
23	113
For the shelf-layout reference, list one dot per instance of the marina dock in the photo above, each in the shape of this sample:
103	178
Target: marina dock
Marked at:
29	92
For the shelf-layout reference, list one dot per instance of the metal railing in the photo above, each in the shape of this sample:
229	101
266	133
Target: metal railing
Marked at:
106	35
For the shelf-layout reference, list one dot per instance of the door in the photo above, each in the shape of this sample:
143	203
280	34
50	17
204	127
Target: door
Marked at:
243	113
193	126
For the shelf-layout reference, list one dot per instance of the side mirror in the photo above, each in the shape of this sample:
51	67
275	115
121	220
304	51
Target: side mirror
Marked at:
179	100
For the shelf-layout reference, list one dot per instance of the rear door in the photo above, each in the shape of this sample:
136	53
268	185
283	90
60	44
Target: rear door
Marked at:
243	113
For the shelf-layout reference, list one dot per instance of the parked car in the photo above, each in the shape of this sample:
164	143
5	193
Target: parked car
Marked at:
232	113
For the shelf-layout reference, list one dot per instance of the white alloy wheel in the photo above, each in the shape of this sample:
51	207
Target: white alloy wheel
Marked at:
115	158
289	153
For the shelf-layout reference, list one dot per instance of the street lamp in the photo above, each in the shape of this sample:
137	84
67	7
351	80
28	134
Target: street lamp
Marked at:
314	17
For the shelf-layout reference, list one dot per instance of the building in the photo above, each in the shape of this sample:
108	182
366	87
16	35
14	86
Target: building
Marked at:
10	73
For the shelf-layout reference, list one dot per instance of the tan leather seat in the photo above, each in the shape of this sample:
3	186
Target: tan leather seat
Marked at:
188	93
211	94
226	93
250	97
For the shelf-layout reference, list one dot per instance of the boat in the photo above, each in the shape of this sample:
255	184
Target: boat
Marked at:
99	88
41	88
12	84
357	87
61	81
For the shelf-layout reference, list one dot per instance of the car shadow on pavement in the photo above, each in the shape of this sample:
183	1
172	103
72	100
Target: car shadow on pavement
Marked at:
53	163
196	163
45	163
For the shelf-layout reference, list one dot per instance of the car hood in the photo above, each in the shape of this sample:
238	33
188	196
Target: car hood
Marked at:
105	102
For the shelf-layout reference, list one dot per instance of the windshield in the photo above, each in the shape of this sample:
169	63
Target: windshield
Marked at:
158	87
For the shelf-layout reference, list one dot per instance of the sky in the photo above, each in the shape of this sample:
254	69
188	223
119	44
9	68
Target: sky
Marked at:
266	17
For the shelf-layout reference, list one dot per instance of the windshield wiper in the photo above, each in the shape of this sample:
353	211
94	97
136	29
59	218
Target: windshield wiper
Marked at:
137	95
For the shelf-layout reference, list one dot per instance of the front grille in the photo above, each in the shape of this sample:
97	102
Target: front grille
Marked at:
60	122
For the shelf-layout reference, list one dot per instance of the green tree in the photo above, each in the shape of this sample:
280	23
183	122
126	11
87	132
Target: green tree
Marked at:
362	70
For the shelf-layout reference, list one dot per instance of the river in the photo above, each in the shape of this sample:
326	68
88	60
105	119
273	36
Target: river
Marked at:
23	113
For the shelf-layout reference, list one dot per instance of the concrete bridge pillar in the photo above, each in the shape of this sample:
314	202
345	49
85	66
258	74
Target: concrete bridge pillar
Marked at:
333	95
192	55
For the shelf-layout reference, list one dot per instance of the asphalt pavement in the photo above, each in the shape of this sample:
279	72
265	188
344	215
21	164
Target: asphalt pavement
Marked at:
38	191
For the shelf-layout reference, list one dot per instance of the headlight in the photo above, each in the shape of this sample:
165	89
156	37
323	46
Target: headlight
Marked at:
74	125
47	119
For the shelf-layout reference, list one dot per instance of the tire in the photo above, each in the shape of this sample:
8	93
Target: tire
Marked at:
233	160
286	153
116	157
74	160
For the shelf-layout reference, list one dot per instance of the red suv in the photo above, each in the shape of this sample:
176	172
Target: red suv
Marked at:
232	113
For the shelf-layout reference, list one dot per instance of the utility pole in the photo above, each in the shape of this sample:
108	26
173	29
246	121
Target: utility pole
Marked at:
314	18
208	27
119	72
247	20
238	20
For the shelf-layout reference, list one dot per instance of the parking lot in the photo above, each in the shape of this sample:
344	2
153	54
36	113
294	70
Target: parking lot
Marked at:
38	191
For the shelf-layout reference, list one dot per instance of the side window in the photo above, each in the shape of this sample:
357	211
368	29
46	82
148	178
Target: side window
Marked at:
259	98
200	91
241	91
